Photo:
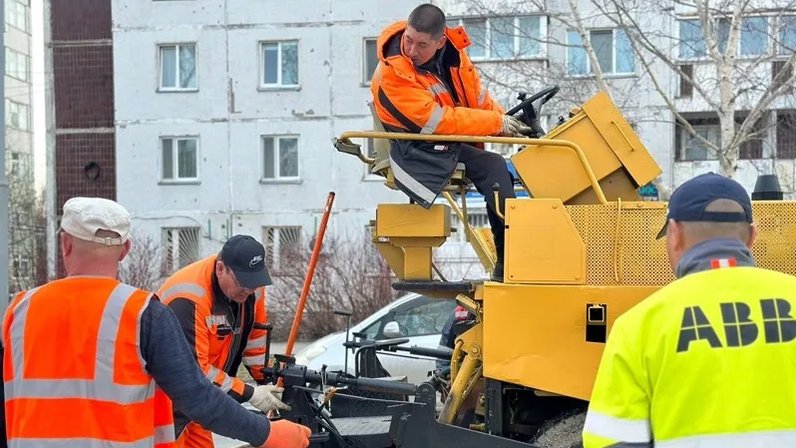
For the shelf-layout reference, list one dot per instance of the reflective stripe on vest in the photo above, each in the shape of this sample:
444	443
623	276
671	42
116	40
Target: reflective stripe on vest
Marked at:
735	440
183	288
82	443
633	431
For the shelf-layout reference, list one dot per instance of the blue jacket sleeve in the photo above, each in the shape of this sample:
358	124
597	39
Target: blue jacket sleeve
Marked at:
170	362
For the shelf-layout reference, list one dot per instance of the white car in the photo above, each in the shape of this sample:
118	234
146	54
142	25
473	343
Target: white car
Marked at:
415	317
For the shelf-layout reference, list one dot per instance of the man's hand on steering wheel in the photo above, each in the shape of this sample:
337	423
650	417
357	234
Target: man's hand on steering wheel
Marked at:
513	127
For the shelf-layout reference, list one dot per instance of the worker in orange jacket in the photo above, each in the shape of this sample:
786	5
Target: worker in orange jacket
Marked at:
426	84
89	361
218	301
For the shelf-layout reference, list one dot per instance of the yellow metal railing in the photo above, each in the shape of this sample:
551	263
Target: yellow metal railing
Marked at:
344	141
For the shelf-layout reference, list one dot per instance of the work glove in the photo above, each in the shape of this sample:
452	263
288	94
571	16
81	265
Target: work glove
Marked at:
268	398
286	434
513	127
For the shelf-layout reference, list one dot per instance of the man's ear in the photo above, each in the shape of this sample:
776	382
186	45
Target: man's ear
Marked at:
125	249
66	243
753	232
677	234
442	41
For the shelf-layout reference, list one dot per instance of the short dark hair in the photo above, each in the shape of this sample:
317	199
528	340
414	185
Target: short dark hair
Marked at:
428	18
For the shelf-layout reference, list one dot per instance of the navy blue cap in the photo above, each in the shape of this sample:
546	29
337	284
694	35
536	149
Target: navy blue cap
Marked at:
245	256
689	201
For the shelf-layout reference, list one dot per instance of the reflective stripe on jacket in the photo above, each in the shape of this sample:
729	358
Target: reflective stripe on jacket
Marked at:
73	372
408	99
707	361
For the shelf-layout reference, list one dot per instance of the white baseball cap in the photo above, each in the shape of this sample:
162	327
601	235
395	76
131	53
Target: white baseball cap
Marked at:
83	217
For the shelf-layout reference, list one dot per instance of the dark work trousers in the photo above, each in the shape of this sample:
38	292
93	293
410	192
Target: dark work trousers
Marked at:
484	169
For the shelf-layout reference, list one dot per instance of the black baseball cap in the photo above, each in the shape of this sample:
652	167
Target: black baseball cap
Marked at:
691	199
245	256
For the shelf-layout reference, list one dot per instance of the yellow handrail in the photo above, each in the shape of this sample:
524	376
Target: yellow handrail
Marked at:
345	138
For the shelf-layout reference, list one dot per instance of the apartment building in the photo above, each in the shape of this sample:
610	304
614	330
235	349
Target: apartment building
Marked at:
225	115
24	239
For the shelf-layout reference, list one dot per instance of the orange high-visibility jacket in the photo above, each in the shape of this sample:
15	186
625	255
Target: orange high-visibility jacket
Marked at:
413	99
418	101
73	370
218	342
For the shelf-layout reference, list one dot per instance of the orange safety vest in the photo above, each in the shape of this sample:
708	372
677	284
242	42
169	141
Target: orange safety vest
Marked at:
73	371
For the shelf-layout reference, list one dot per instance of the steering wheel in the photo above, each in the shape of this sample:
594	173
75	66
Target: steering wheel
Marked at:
528	114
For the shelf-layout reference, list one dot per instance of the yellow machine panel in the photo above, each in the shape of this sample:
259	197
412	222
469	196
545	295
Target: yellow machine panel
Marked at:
534	335
608	142
407	220
619	241
544	246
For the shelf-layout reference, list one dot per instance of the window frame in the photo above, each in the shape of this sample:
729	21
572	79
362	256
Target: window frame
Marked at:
278	85
779	50
17	55
9	103
589	72
714	131
177	46
170	257
542	55
738	52
176	180
273	244
25	5
278	178
366	79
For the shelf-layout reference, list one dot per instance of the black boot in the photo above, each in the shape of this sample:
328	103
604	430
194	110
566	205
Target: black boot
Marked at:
498	236
497	273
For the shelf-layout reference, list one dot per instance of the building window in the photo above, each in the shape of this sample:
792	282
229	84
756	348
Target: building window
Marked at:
692	41
282	244
280	157
753	40
754	35
611	47
506	37
686	81
180	156
778	66
280	64
370	60
177	67
787	35
17	65
17	115
695	147
21	266
786	134
17	14
180	248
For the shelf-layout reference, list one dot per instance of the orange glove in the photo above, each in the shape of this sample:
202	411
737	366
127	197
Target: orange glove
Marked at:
286	434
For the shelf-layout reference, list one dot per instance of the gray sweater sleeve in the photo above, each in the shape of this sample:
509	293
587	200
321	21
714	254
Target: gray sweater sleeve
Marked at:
170	362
